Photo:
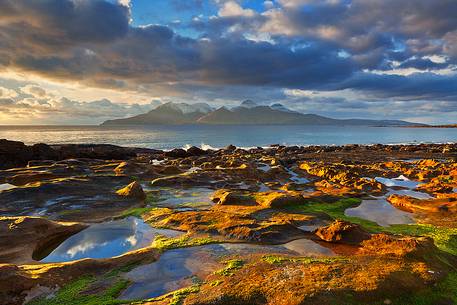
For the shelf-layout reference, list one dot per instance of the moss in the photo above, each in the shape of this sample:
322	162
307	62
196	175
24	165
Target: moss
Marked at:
275	259
137	212
180	295
152	198
176	297
215	283
71	294
445	238
194	204
231	265
164	243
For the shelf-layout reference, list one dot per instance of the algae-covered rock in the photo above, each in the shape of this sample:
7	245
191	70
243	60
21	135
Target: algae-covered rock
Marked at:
133	190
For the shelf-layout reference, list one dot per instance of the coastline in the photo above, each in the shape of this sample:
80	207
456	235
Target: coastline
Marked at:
236	216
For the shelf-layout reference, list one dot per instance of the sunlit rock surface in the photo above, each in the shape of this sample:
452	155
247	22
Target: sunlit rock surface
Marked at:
278	225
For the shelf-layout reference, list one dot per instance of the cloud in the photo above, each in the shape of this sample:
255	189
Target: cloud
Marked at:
373	48
35	103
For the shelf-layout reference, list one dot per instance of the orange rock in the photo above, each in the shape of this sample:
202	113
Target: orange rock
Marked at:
342	232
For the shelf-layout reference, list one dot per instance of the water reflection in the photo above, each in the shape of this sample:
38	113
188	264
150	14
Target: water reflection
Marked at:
107	240
191	198
400	181
381	212
6	186
177	268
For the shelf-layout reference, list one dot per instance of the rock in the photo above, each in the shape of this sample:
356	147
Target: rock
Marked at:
230	148
23	239
278	199
133	190
228	197
14	154
34	163
196	151
129	169
342	232
44	152
383	244
177	153
414	205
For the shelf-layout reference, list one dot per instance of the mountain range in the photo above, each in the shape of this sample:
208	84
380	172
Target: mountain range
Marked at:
247	112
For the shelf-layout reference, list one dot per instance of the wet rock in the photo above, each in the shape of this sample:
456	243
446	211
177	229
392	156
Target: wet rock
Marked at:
229	197
133	190
176	153
230	148
342	232
44	152
14	154
196	151
22	239
129	169
34	163
383	244
435	205
279	199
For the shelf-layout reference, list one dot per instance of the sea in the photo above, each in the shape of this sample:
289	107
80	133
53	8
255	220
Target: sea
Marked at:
218	136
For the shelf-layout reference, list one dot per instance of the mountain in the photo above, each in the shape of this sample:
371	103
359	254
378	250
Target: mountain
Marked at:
166	114
248	113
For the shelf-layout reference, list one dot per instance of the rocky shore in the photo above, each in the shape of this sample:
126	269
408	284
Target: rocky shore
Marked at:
354	224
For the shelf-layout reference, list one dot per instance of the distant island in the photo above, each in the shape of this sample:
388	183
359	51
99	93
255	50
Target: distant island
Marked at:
436	126
247	113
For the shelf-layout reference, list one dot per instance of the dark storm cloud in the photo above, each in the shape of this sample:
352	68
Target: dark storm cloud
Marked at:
418	86
309	45
100	54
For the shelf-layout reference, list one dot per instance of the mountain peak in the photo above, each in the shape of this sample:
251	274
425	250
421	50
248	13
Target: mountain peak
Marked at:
188	108
280	107
248	104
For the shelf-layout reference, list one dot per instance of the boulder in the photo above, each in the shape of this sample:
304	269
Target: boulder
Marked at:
177	153
342	232
229	197
196	151
279	199
133	190
23	239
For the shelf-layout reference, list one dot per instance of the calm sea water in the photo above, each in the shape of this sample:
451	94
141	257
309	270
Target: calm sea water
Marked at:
167	137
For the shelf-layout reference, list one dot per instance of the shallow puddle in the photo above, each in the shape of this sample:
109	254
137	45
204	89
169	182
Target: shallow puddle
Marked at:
296	178
6	186
188	198
179	268
411	193
400	181
107	239
380	211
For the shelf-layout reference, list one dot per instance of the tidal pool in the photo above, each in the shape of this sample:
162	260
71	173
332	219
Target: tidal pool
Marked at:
190	198
381	212
400	181
6	186
179	268
107	239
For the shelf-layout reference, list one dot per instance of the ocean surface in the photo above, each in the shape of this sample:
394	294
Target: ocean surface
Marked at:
168	137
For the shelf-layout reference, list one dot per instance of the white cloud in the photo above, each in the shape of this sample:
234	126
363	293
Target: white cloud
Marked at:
233	9
7	93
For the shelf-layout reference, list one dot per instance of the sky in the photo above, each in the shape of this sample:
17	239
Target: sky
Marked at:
85	61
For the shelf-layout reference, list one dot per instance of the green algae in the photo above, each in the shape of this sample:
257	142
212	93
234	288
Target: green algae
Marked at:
444	238
72	294
137	212
165	243
231	265
276	259
176	297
